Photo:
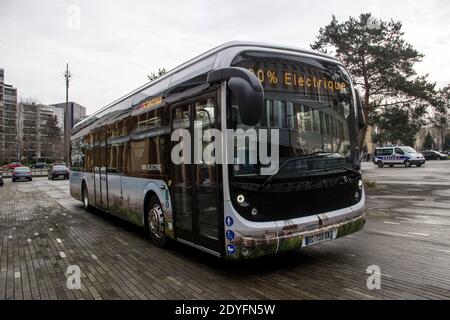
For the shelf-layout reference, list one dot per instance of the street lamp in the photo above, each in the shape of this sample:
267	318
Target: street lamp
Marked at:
67	124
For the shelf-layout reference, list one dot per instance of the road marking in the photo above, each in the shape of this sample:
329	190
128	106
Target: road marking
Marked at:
121	241
389	222
419	234
359	293
94	256
16	275
62	254
59	240
441	250
402	218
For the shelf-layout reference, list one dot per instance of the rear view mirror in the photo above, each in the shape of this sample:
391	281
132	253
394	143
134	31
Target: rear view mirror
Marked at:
247	90
360	111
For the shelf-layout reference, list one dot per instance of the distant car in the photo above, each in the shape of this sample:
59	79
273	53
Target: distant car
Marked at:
58	172
21	173
13	165
1	179
39	165
434	155
402	155
58	163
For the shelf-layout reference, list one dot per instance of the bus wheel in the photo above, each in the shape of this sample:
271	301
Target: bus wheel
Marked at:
407	163
155	222
85	197
380	164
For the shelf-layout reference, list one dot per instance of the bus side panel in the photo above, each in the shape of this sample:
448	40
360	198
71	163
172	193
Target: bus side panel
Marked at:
129	205
115	199
75	185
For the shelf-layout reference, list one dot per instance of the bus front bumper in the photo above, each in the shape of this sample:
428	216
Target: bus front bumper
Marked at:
252	247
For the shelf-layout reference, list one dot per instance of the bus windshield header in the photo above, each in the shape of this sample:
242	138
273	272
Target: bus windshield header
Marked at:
288	73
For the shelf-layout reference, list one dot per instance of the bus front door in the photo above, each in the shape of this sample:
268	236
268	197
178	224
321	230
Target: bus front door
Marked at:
194	186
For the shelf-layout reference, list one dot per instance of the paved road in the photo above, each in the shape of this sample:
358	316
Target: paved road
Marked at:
43	231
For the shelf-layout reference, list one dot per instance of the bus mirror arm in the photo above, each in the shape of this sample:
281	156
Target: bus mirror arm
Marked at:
246	88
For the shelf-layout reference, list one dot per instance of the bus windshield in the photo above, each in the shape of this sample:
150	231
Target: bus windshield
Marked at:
310	102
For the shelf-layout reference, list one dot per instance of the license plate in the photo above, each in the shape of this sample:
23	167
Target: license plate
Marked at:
318	238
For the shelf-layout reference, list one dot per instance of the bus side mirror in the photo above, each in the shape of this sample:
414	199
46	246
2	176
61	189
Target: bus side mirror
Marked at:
360	110
247	90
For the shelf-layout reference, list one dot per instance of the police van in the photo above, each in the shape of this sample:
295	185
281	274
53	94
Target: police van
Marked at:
394	155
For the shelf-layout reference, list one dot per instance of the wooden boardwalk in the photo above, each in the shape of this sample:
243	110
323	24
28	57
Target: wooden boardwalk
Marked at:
43	231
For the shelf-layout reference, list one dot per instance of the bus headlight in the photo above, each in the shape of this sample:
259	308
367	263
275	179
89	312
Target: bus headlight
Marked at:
241	201
254	212
360	184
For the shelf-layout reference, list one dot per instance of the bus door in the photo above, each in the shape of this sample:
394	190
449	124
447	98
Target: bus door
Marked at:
100	175
194	184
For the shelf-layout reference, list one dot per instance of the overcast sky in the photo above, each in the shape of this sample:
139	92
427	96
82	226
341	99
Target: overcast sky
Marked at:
113	46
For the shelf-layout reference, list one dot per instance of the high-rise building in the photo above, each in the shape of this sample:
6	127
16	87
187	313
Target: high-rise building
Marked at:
8	121
74	114
41	137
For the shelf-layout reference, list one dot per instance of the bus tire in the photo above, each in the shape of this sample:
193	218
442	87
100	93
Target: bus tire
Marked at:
407	163
154	221
85	197
391	165
380	164
419	165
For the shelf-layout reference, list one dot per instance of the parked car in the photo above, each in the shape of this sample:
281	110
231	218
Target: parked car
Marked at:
13	165
21	173
434	155
402	155
39	165
1	179
58	172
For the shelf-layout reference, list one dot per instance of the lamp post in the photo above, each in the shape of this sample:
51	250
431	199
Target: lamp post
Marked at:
67	124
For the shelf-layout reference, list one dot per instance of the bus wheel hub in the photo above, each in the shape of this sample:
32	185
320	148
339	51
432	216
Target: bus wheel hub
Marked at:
156	221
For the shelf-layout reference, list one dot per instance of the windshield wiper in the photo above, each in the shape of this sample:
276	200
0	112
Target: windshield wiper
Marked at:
316	154
339	168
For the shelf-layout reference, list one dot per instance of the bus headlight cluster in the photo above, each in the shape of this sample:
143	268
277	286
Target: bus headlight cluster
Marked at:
360	184
241	200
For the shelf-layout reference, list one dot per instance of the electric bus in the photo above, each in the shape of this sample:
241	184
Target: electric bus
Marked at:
122	155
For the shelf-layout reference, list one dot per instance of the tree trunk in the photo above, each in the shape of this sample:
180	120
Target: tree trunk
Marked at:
363	131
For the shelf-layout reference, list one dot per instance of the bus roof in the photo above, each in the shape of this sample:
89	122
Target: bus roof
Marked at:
218	57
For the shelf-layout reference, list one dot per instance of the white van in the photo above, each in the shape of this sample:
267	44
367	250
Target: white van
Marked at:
403	155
